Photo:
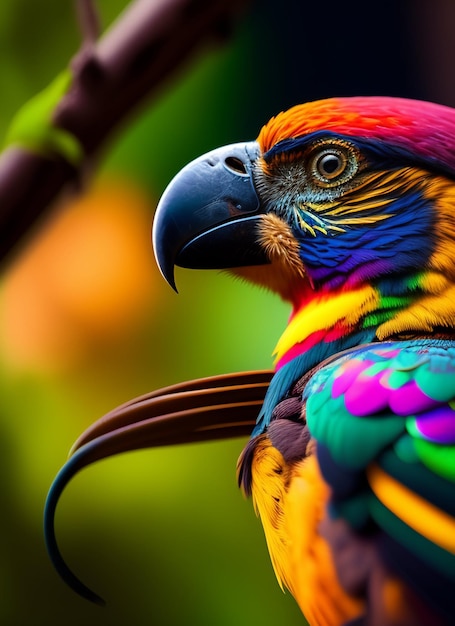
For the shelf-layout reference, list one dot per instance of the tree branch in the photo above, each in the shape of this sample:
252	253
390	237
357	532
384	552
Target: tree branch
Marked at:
110	78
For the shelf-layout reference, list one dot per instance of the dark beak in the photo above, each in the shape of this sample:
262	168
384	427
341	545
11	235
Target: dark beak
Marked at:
201	410
207	217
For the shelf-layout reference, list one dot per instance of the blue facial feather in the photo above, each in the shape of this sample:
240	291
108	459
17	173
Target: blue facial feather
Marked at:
395	245
348	235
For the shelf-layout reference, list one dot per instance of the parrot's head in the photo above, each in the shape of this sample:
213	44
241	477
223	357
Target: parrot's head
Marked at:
339	196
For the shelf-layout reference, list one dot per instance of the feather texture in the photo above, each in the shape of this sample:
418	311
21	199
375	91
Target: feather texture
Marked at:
384	420
290	500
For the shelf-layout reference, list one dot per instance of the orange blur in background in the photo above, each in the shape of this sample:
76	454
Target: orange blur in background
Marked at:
81	282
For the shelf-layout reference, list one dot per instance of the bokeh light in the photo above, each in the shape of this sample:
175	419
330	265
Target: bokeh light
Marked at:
85	281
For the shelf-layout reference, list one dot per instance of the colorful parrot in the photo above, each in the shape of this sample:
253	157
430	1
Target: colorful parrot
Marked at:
346	208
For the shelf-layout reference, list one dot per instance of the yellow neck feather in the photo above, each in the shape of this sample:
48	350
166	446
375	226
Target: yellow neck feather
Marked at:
324	311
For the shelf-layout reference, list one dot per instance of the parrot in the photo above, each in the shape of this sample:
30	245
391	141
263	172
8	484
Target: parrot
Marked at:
345	208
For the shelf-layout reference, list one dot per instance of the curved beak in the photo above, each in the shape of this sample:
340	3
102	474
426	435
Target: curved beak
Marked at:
207	217
206	409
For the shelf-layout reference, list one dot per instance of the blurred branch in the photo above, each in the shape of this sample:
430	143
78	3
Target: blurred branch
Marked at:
109	78
88	20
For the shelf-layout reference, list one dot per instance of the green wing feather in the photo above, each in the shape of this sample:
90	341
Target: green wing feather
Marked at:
384	421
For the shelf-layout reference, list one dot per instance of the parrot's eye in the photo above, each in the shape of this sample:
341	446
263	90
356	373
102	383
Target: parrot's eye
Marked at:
333	164
330	165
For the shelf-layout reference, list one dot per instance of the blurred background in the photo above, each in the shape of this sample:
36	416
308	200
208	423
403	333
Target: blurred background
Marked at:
86	322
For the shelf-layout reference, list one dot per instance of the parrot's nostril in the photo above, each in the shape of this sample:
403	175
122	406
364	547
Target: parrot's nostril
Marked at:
236	165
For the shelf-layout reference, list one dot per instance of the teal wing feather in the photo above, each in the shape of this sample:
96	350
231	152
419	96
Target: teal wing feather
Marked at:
392	407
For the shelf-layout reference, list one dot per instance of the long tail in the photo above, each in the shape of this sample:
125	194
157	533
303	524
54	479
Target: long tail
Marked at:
206	409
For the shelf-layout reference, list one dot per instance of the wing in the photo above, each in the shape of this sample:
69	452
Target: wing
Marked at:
384	421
